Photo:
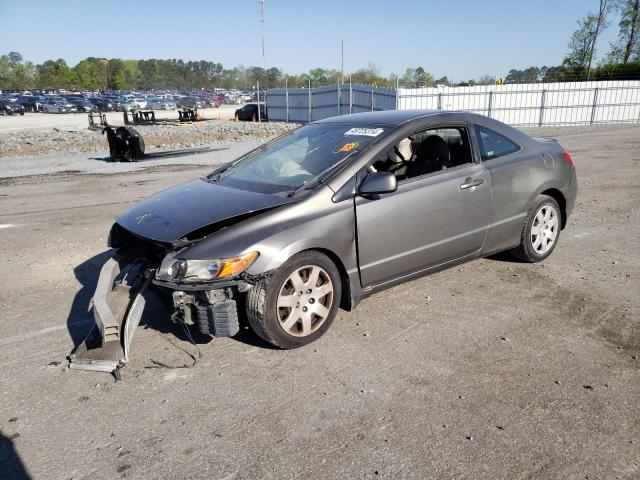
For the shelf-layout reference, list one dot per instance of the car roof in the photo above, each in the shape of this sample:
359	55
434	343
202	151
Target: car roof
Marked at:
392	117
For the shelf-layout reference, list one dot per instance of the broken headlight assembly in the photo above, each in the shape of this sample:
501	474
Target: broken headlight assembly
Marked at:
194	271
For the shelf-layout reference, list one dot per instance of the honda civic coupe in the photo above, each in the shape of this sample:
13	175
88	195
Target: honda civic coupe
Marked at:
327	214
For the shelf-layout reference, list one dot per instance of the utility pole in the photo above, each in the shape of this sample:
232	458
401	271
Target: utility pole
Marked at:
264	60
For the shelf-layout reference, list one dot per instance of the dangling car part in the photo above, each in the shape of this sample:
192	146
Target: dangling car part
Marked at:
118	303
125	144
328	214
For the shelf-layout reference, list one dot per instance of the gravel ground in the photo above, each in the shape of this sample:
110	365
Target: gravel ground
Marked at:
493	369
201	153
78	121
34	150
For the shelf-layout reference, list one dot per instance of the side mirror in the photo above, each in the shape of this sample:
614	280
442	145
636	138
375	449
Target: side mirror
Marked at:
378	183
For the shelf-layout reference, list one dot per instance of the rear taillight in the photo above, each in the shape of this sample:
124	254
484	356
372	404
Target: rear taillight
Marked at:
568	158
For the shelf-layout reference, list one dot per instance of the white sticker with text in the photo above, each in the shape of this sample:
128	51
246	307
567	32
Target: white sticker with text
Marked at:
365	132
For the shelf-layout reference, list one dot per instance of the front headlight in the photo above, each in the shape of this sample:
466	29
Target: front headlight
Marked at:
178	269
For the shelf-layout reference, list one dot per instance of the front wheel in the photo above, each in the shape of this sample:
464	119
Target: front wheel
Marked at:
541	230
298	303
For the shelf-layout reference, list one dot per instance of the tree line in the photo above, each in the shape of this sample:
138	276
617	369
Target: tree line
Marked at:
622	61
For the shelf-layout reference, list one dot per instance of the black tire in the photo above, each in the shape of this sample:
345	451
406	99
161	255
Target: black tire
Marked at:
525	250
262	300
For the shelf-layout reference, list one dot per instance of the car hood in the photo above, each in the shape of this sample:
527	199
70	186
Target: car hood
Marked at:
173	214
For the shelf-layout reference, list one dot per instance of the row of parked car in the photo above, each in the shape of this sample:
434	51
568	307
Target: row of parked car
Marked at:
19	103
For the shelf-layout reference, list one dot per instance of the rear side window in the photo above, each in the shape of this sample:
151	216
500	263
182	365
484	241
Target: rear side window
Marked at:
493	145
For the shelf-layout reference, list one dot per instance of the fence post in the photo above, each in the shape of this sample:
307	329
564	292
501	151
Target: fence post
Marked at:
439	101
542	99
339	98
594	105
372	99
258	97
397	93
490	104
309	99
350	95
286	96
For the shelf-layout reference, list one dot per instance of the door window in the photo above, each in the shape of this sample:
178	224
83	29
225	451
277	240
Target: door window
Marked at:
493	145
426	152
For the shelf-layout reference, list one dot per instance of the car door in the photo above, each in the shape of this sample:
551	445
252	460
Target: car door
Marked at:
428	221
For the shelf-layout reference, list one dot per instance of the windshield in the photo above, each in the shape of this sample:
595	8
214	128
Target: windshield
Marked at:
295	159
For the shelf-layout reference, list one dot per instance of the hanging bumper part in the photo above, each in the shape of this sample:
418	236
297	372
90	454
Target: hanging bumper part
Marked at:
118	304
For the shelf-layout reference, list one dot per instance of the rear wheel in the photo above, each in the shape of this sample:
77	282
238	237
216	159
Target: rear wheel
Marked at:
298	303
541	230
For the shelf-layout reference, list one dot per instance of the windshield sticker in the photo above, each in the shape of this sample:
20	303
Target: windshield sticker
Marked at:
347	147
365	132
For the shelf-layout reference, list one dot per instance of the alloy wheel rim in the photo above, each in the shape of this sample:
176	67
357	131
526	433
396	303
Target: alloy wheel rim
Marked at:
304	301
544	230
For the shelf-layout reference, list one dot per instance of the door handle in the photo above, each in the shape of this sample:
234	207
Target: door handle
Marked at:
470	183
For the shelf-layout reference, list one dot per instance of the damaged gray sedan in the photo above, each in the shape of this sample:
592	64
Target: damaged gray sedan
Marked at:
324	216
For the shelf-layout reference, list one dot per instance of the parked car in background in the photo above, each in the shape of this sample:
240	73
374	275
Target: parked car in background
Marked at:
250	113
217	100
31	103
11	108
58	105
160	104
140	103
128	106
103	104
190	102
82	104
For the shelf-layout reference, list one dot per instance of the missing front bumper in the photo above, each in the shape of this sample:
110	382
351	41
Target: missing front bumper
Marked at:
118	304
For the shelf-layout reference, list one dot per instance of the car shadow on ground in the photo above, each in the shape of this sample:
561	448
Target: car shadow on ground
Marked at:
505	257
183	152
11	465
156	314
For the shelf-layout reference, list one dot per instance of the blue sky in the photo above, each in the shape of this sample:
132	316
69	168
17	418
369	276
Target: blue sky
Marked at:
462	39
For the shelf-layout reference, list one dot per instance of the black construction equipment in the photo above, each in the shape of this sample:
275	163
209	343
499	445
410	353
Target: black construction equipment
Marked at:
97	121
125	144
188	115
139	117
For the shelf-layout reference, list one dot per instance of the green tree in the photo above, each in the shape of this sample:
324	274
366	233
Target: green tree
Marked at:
87	74
54	74
582	46
628	47
422	78
486	80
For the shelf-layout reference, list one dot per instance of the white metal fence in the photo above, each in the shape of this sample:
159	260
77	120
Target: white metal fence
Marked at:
579	103
576	103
